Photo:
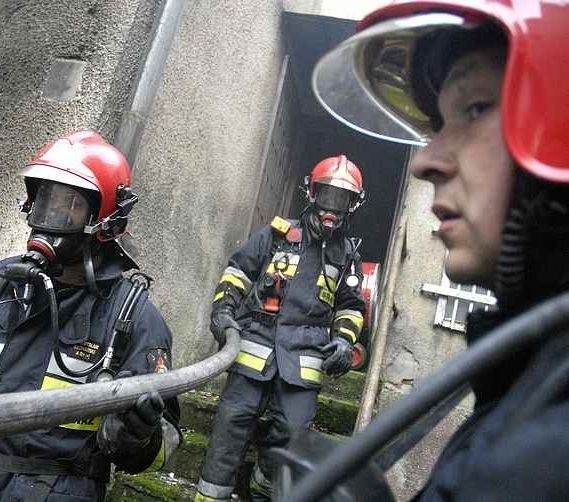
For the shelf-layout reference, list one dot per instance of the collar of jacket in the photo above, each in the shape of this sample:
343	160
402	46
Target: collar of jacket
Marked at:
494	383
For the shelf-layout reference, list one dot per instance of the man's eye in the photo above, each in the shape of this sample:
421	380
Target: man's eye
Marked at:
476	109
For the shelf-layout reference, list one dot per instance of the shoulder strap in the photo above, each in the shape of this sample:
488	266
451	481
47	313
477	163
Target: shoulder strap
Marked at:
3	285
131	295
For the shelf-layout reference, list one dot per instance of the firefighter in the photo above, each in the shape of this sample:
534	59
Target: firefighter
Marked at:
78	198
293	291
483	83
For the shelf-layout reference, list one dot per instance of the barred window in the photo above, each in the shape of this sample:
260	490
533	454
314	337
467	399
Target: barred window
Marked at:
456	301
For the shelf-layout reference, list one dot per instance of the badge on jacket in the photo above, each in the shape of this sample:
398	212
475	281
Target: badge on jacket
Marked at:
157	360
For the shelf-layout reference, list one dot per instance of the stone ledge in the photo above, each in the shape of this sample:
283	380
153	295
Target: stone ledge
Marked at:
149	487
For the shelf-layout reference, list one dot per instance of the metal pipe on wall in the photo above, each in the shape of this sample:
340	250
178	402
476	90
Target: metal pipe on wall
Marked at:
372	381
395	255
129	133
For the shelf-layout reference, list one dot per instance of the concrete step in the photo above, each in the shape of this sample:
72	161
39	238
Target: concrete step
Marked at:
337	406
336	415
149	487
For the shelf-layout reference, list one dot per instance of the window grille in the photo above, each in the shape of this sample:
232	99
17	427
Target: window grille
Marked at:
456	301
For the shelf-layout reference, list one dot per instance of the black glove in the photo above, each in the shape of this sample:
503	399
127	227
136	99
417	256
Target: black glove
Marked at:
338	356
221	319
122	436
308	447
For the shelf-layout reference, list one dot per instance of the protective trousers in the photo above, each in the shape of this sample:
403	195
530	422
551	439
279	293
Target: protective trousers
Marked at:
242	403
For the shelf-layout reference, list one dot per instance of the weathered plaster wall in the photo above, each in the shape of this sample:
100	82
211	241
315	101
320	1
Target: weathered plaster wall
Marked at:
198	167
103	39
414	347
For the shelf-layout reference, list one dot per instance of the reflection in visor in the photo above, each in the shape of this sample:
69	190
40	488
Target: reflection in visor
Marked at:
365	82
332	198
59	208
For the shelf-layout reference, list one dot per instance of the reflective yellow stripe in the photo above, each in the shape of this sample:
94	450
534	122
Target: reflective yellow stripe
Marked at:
237	272
358	320
238	283
353	337
311	362
256	349
212	492
324	283
218	296
292	258
85	424
203	498
311	375
50	383
290	270
254	362
159	460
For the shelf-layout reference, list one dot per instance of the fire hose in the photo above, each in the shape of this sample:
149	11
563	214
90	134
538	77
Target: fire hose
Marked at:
26	411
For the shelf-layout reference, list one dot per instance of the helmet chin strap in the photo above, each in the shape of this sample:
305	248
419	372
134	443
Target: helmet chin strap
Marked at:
90	268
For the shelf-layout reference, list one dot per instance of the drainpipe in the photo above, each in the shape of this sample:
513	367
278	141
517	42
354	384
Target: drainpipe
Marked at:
395	256
135	117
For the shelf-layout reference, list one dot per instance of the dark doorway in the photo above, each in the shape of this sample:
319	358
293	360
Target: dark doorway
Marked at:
302	134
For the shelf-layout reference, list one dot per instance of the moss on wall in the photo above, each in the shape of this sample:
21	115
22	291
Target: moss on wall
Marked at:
335	415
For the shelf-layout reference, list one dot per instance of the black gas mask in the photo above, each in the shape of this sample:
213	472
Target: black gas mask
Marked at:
58	217
331	208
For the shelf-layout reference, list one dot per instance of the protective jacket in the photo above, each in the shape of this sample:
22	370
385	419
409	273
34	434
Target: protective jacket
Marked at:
313	300
287	298
514	445
27	363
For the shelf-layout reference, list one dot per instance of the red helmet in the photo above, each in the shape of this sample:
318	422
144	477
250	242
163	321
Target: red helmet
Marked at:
368	81
83	159
341	173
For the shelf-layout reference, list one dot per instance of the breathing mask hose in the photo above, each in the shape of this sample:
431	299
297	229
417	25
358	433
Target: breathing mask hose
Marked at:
126	308
48	285
355	248
533	326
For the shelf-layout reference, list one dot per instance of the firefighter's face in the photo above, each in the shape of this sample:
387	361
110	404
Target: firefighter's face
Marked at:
469	166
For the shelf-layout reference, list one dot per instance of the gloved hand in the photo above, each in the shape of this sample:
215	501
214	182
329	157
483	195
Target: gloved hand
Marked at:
124	435
221	319
338	356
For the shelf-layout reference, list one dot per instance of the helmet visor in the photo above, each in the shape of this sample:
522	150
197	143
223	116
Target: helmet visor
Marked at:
365	82
332	198
59	208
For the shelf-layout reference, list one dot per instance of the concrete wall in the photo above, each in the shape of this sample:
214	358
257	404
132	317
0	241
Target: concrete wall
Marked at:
198	168
415	348
100	42
68	65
